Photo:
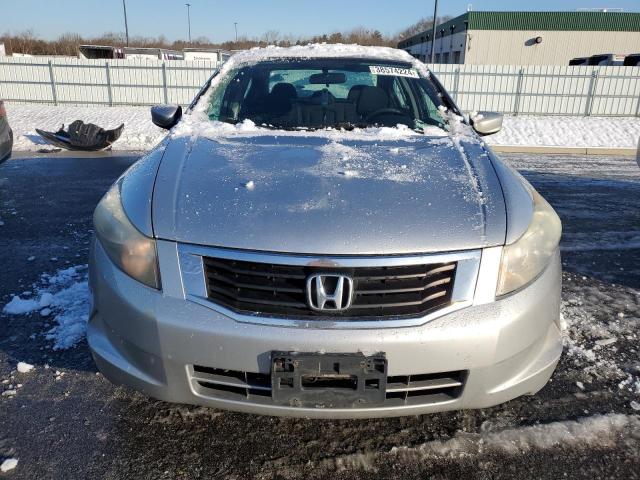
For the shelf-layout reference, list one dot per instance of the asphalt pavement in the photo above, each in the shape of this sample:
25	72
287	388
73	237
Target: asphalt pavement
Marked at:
66	421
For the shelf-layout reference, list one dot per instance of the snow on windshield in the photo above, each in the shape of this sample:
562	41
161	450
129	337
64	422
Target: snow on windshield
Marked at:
197	122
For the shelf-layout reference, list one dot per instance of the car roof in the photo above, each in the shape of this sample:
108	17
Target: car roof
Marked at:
322	51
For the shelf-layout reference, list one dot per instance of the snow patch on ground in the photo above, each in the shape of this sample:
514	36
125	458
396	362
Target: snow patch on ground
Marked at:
568	132
24	367
8	464
591	336
139	132
597	431
66	294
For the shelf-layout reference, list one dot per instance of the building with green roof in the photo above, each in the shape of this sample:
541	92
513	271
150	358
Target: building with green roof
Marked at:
528	38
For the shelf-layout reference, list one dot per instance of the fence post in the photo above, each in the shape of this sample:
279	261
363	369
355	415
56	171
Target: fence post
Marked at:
164	82
456	84
54	94
516	106
109	91
592	89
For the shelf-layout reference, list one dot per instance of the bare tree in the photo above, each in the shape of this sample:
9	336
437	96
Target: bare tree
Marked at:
270	37
68	43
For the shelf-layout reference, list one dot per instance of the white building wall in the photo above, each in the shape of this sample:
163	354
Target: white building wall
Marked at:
516	47
448	44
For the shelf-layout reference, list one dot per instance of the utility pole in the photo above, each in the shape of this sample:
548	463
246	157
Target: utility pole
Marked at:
189	20
433	35
126	27
235	24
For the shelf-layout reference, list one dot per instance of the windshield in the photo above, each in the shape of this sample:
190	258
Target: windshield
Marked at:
312	94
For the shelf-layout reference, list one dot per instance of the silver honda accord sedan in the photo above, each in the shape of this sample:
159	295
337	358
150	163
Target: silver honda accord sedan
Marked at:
324	234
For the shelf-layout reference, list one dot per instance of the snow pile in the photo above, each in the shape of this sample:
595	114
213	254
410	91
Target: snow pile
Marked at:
596	431
8	464
568	132
588	432
24	367
197	124
66	295
20	306
139	132
365	161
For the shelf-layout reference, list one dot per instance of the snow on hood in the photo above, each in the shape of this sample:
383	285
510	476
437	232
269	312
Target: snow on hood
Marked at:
313	194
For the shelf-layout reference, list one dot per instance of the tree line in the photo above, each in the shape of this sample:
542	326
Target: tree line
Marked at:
28	42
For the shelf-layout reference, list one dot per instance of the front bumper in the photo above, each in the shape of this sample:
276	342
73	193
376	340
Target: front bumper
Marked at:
152	340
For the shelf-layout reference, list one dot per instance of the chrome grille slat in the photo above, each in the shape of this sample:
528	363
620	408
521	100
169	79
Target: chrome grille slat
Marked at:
405	290
425	385
212	262
279	290
216	381
249	286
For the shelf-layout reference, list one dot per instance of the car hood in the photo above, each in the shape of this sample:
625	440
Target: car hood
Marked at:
324	195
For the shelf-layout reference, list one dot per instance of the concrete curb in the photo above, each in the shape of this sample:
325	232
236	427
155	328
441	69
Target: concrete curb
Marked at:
564	150
76	154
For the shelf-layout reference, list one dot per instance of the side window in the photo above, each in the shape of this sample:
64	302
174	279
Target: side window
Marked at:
227	97
429	98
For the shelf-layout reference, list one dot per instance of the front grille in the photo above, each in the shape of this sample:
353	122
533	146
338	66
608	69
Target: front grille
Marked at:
422	389
270	289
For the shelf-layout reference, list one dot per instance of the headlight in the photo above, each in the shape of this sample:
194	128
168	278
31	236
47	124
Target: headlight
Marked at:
527	257
134	253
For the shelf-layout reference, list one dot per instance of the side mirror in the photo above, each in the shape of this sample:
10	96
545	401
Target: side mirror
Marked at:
166	116
486	123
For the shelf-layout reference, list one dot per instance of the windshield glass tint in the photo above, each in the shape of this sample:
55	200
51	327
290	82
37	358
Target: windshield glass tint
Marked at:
311	94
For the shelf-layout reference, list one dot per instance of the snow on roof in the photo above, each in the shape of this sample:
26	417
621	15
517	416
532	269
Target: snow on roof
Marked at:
321	50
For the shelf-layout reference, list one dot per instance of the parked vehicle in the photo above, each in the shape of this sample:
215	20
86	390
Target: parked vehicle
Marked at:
579	61
632	60
206	55
323	234
100	51
6	135
144	53
607	59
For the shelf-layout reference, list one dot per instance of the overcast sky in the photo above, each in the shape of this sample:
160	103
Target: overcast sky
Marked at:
215	18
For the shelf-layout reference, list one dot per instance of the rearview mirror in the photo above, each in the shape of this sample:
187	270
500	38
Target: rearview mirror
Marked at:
327	78
486	123
166	116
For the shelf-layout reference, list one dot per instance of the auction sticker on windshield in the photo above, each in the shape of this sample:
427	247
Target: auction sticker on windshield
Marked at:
394	71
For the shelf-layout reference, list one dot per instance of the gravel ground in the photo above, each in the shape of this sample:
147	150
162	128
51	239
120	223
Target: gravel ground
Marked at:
66	421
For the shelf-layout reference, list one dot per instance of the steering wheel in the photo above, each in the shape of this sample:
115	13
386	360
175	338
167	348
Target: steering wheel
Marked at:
383	111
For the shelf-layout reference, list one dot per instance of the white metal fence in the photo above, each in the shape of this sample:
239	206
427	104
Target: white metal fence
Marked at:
544	90
531	90
101	82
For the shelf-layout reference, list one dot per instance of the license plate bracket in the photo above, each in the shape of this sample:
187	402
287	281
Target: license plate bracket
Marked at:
328	380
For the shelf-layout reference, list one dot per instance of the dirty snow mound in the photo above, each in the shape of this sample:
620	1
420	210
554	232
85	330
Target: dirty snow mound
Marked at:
9	464
66	295
596	431
24	367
